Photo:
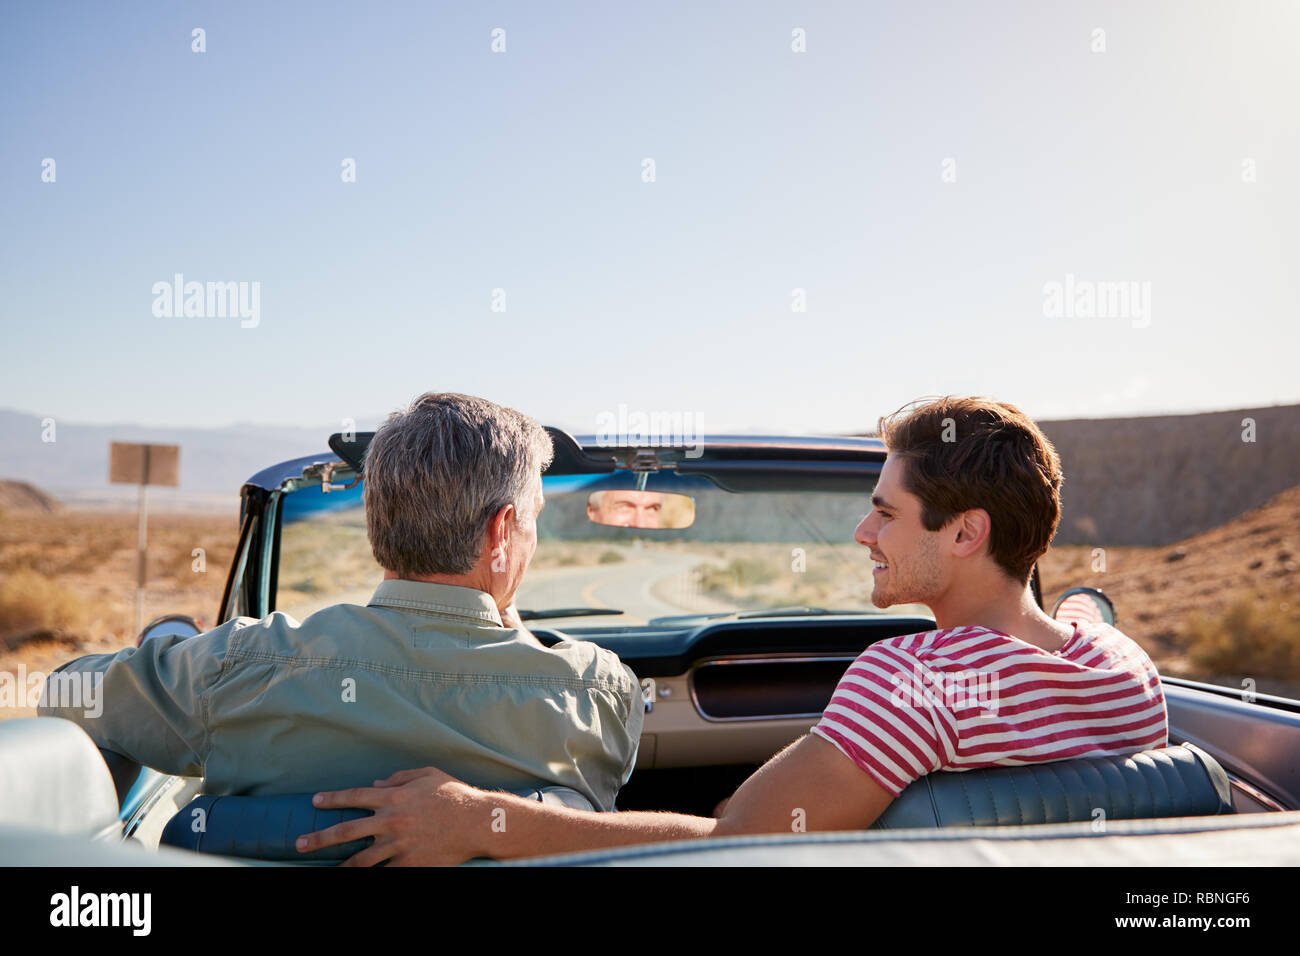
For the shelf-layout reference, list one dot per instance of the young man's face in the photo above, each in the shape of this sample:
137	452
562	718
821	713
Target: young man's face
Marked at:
909	569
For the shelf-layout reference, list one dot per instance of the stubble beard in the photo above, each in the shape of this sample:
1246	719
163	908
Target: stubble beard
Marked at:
915	581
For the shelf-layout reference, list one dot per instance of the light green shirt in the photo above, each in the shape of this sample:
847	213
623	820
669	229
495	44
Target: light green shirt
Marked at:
425	674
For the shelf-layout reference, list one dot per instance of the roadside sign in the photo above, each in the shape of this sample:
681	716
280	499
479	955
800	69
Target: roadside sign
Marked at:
143	465
131	464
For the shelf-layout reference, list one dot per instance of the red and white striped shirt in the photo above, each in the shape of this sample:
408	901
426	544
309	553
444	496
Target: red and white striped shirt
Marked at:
971	697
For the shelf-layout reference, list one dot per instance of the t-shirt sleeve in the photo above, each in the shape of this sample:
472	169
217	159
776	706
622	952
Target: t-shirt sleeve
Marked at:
886	717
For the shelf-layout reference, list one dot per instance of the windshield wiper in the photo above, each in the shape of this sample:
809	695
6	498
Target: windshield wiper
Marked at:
567	612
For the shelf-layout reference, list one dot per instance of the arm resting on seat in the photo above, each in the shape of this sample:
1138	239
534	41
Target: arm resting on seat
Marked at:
265	828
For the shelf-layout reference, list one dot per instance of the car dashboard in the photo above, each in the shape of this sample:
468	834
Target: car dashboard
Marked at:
723	697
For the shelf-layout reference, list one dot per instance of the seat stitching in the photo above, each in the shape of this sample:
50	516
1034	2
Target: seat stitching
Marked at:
934	803
1015	793
965	795
997	820
1056	777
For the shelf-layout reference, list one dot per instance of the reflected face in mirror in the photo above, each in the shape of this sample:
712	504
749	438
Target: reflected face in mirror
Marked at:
626	509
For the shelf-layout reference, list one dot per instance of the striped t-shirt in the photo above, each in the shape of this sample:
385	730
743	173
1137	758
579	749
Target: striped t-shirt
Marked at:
970	697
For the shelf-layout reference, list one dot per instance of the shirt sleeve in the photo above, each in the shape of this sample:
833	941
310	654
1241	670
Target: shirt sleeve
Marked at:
146	703
632	727
886	717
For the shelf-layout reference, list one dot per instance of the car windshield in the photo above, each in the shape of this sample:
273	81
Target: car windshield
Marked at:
744	552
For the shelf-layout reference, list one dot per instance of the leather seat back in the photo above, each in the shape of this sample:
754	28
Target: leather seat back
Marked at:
52	777
265	828
1181	781
1173	782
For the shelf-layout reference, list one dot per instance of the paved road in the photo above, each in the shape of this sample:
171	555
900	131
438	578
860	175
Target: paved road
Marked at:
645	585
648	583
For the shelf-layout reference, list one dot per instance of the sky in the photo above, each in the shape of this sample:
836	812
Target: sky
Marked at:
852	205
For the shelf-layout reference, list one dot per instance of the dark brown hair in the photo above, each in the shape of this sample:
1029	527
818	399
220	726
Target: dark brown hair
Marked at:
963	453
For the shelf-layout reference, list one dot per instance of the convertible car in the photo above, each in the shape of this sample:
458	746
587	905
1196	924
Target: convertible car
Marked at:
726	576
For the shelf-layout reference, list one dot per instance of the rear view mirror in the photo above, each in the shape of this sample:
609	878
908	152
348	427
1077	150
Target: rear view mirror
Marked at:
640	509
1084	605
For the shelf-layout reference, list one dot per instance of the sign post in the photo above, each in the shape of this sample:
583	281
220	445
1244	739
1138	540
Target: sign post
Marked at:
144	465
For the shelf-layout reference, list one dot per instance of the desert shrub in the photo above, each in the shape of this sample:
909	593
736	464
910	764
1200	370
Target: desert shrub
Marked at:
1250	637
750	572
558	554
829	568
611	557
737	576
31	603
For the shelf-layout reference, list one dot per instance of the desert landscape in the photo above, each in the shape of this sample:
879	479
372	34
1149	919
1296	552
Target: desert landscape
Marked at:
67	581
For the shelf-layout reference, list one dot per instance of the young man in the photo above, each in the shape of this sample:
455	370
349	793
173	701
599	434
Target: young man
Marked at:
967	501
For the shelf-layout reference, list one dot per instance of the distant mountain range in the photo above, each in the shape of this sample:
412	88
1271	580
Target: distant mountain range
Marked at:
1146	480
214	462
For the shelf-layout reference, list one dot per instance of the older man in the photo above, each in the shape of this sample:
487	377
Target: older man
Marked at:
436	668
626	509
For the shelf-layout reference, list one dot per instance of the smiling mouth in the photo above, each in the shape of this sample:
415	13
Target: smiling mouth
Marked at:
879	566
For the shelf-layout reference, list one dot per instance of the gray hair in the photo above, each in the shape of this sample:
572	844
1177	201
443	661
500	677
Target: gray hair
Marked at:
437	472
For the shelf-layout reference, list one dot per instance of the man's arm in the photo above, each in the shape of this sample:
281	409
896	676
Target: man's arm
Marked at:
425	817
143	702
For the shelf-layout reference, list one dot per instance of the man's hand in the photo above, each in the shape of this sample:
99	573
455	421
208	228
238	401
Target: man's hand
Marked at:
426	817
421	818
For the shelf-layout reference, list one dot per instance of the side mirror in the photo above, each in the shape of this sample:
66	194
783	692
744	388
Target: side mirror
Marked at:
1084	605
169	625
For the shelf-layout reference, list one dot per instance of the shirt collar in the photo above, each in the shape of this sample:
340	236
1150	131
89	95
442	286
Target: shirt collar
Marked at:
448	599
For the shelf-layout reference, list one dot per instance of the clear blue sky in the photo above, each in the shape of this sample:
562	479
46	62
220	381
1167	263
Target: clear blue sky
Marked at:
522	171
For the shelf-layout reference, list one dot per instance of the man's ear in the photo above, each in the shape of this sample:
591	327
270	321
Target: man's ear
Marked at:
972	530
499	529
